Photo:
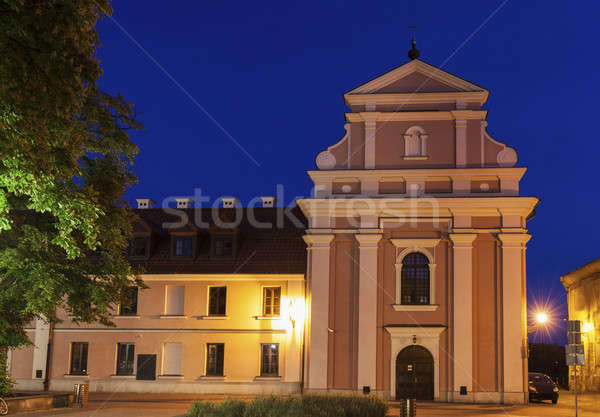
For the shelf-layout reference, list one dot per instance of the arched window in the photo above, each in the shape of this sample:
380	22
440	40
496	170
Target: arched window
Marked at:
415	279
415	142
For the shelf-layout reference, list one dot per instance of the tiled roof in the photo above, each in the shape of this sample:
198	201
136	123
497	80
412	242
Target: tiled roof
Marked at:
278	249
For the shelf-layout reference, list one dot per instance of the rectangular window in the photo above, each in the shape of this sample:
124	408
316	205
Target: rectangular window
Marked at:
130	302
140	247
125	357
172	359
217	299
183	247
223	246
175	300
269	359
79	357
271	301
215	353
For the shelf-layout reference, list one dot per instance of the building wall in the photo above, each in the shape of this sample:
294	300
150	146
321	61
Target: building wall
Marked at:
242	330
584	304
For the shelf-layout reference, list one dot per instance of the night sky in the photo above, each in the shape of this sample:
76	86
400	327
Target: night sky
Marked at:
238	97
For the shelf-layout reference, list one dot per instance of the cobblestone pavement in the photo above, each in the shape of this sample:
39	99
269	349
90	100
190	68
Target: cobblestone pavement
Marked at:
158	405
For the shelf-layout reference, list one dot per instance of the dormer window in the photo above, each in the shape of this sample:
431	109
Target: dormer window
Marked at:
223	245
415	143
183	246
140	247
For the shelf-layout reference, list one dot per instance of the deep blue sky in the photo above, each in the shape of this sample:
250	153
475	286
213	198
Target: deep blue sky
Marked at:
272	74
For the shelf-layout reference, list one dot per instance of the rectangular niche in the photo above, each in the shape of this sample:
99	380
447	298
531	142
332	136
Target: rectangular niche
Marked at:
345	186
489	184
392	186
434	185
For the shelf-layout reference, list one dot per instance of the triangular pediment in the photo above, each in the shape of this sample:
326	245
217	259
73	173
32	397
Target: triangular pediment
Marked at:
416	77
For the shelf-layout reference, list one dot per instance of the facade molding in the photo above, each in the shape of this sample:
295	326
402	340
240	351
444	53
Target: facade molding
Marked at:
478	97
414	116
222	277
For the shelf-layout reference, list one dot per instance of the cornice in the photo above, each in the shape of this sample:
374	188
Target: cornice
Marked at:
427	207
411	116
502	173
222	277
478	97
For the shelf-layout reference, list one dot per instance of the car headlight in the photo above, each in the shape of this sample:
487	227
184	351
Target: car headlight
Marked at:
532	388
555	389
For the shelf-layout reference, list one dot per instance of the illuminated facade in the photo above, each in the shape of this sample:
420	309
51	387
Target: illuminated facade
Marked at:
405	276
583	299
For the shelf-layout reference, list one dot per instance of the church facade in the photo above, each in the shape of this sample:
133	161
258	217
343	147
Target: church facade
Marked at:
403	277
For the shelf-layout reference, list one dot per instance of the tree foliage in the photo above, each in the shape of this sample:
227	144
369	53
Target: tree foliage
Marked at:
65	161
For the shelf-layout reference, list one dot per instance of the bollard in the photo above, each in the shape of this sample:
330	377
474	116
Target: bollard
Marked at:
76	394
85	389
81	392
408	407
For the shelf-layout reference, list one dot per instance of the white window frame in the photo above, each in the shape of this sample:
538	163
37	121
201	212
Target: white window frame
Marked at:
427	248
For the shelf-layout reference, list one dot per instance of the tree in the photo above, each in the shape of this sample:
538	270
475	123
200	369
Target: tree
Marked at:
65	161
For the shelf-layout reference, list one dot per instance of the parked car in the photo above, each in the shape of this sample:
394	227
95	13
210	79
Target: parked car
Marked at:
541	387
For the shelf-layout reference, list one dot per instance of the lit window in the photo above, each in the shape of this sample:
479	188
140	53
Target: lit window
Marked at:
271	301
125	355
79	357
269	359
215	353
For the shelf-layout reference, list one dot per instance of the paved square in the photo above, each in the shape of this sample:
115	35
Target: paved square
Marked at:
160	405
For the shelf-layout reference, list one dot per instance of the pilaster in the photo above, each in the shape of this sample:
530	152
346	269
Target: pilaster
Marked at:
370	133
463	314
367	310
319	253
40	350
461	143
514	315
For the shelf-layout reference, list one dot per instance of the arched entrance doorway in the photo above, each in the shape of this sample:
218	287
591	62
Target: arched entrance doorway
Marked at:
414	373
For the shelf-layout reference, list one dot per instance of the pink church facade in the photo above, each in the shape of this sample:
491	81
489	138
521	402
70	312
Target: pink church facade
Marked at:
416	242
412	283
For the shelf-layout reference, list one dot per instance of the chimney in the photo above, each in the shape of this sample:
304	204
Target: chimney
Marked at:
229	202
145	203
184	202
268	201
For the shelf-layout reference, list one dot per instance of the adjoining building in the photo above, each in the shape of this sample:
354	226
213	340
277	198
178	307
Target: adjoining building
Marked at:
583	299
404	275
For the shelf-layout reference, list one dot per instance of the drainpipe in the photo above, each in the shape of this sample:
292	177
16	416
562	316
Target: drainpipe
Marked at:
48	357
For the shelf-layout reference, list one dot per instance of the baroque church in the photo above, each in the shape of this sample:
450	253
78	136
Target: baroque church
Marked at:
403	276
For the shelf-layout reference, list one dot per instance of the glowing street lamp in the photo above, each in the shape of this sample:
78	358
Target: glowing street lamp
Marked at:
542	320
541	317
